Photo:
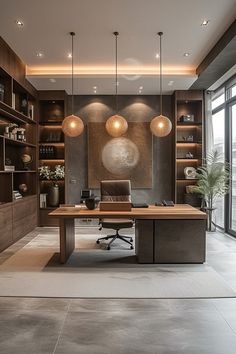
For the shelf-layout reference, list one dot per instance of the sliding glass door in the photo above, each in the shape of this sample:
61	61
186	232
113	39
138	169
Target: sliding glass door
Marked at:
232	197
218	135
221	136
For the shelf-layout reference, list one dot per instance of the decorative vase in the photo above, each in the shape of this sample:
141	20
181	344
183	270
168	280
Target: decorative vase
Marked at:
53	195
91	203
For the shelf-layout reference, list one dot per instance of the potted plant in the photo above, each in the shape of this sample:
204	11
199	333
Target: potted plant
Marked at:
55	175
212	183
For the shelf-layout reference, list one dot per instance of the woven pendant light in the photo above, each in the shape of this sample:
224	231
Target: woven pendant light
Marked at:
161	125
116	125
72	125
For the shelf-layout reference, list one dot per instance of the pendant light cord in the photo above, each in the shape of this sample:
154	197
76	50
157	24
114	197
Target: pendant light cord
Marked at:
160	35
72	71
116	63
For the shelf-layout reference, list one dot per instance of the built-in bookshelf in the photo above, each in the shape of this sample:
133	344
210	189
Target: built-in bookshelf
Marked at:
188	147
52	110
18	149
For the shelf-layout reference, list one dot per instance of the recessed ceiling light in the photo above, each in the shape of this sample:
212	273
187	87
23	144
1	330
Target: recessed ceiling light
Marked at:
94	91
95	87
140	87
139	91
186	54
69	55
205	23
39	55
170	83
157	55
52	80
19	23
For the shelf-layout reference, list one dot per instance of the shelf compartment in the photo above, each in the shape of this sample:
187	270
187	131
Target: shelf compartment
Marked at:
25	178
15	116
188	107
5	87
17	142
52	111
14	153
6	180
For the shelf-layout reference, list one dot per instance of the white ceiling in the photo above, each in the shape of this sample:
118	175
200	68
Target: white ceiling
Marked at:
47	24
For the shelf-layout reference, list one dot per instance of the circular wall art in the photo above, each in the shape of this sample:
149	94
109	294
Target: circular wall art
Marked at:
120	156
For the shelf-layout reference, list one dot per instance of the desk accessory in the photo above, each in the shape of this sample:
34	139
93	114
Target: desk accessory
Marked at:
115	206
140	205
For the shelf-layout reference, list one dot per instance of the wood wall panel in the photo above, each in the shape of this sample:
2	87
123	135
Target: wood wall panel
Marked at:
6	234
24	216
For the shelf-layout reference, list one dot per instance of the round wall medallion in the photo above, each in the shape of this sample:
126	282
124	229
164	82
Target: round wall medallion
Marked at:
120	156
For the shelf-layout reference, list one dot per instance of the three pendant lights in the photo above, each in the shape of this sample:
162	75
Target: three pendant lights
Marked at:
116	125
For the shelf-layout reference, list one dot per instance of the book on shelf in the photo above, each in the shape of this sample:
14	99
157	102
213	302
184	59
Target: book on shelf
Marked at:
17	195
9	168
31	111
13	100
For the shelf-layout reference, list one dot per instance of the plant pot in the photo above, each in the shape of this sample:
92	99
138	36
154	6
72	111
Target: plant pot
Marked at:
53	195
211	225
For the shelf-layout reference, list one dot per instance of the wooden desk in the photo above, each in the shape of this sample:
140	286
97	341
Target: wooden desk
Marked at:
163	234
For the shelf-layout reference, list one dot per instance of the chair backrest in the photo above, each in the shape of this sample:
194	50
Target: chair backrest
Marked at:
116	190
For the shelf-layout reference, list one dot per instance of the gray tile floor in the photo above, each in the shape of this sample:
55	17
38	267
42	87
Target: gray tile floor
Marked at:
192	326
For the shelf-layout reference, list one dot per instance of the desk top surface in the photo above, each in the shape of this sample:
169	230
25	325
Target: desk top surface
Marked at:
179	211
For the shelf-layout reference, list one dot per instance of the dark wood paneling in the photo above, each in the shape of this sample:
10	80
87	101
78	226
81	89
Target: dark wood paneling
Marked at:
24	216
53	95
144	230
180	241
15	67
189	95
6	234
44	220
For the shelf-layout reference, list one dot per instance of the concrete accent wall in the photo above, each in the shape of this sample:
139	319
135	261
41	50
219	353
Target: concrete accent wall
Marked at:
134	109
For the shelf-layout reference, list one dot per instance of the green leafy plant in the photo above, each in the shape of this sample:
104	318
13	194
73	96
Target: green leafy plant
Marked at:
212	181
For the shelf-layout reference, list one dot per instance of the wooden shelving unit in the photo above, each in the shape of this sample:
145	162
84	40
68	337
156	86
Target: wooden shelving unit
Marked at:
18	110
52	110
188	140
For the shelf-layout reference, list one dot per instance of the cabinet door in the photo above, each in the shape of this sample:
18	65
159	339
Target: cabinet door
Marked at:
5	226
24	216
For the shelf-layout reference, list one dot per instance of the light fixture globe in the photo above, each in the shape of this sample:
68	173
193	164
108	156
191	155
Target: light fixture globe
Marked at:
160	126
72	126
116	126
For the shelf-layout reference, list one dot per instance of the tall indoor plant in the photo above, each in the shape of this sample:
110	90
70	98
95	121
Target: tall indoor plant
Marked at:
212	182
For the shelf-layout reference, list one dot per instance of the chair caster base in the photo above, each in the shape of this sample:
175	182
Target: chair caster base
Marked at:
108	248
131	247
98	242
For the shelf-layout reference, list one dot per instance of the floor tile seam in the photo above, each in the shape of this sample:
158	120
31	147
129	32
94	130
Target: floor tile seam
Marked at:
222	316
60	331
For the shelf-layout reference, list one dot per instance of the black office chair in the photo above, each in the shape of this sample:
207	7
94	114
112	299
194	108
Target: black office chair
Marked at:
116	191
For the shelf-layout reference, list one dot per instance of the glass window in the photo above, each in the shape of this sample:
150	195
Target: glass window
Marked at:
218	98
233	169
218	128
233	91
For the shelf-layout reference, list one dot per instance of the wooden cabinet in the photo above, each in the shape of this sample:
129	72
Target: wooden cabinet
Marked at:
6	232
24	216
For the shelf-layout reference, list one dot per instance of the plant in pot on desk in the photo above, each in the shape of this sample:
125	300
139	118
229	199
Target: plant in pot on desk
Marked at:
212	184
55	175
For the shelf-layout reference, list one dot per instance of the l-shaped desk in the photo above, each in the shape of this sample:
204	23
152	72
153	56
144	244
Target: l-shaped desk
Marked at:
162	234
